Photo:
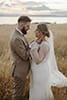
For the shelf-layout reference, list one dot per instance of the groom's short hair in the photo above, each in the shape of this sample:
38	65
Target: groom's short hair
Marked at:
24	19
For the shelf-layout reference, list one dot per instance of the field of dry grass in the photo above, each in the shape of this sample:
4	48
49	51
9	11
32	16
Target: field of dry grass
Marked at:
60	42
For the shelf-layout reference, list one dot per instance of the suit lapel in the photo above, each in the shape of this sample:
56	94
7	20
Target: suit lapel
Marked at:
23	38
25	41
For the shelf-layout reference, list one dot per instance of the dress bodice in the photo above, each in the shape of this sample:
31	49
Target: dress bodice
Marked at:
42	48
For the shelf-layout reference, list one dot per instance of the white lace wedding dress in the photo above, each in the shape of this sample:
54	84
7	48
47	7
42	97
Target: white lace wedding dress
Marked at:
44	74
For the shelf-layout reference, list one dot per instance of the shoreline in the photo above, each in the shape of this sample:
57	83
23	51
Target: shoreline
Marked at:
48	23
51	20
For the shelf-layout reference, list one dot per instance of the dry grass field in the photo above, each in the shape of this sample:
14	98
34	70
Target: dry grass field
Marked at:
60	43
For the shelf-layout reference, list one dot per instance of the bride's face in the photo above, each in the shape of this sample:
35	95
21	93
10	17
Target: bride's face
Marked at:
38	34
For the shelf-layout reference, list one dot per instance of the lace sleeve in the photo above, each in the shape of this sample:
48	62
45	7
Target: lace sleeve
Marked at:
39	55
33	45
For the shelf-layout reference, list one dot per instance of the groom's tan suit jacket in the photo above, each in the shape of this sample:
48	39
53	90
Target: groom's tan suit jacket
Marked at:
20	51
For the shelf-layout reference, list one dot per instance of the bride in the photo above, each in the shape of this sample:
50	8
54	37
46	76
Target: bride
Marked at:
44	70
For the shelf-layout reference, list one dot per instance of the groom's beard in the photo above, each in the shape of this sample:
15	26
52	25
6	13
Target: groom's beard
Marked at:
24	31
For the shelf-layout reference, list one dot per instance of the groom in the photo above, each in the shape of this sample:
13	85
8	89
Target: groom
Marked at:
20	52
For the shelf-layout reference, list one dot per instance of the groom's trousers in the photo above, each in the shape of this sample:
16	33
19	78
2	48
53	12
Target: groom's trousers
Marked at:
18	89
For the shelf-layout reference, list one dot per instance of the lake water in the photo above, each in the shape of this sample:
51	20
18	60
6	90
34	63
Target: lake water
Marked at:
13	20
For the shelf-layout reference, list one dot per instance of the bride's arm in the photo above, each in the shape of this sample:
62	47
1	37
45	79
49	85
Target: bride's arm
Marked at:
39	56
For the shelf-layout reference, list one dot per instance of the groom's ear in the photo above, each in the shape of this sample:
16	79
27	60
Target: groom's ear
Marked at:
21	24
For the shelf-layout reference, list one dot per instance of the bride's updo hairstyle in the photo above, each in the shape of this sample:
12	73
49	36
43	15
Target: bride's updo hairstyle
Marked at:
43	28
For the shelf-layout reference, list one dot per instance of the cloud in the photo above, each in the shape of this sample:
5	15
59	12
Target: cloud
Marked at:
17	7
39	8
56	4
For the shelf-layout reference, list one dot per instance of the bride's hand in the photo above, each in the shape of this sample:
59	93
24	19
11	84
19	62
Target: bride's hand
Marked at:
39	40
42	39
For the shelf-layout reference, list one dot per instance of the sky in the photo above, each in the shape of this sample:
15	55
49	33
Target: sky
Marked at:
47	7
53	4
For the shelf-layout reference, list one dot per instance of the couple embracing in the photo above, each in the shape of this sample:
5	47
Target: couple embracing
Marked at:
37	57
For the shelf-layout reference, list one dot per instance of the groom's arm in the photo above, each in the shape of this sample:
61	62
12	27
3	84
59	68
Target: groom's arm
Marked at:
20	49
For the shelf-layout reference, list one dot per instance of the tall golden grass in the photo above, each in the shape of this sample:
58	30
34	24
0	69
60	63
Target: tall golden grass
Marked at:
60	43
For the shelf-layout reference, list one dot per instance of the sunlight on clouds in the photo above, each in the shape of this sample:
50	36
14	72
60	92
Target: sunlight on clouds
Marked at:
57	6
53	4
